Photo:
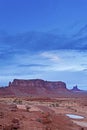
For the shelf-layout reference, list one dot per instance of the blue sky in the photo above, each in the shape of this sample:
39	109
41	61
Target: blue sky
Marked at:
44	39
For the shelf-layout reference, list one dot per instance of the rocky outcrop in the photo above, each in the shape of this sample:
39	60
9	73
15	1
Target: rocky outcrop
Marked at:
27	83
6	91
20	87
75	88
37	83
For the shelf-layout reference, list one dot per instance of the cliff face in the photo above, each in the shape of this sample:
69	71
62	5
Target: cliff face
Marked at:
37	83
27	83
21	87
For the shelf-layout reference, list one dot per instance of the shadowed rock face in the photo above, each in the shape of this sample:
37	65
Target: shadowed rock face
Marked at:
75	88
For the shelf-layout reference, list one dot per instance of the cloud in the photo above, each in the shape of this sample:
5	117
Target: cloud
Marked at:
33	55
57	65
32	65
43	41
48	60
51	56
82	32
36	41
85	69
37	64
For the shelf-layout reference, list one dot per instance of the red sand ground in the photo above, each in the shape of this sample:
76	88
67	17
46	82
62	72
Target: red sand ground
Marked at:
49	115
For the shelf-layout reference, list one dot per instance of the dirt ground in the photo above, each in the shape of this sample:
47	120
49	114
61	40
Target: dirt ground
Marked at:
42	114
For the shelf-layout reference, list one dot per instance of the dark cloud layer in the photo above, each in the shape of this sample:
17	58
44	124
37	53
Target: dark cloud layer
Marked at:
32	65
40	41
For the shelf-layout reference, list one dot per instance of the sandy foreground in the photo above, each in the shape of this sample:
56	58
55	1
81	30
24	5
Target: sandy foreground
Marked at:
42	114
81	123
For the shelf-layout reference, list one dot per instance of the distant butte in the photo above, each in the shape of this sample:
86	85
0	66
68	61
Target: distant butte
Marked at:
36	88
75	88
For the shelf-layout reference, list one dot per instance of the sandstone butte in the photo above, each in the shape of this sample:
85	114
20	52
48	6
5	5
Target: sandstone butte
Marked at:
35	87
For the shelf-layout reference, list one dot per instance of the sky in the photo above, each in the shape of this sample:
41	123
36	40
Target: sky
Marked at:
44	39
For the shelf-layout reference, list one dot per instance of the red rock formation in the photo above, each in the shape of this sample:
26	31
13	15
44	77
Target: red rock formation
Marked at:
6	91
20	87
38	83
75	88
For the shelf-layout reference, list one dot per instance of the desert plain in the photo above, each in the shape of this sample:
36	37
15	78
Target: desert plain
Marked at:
28	113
